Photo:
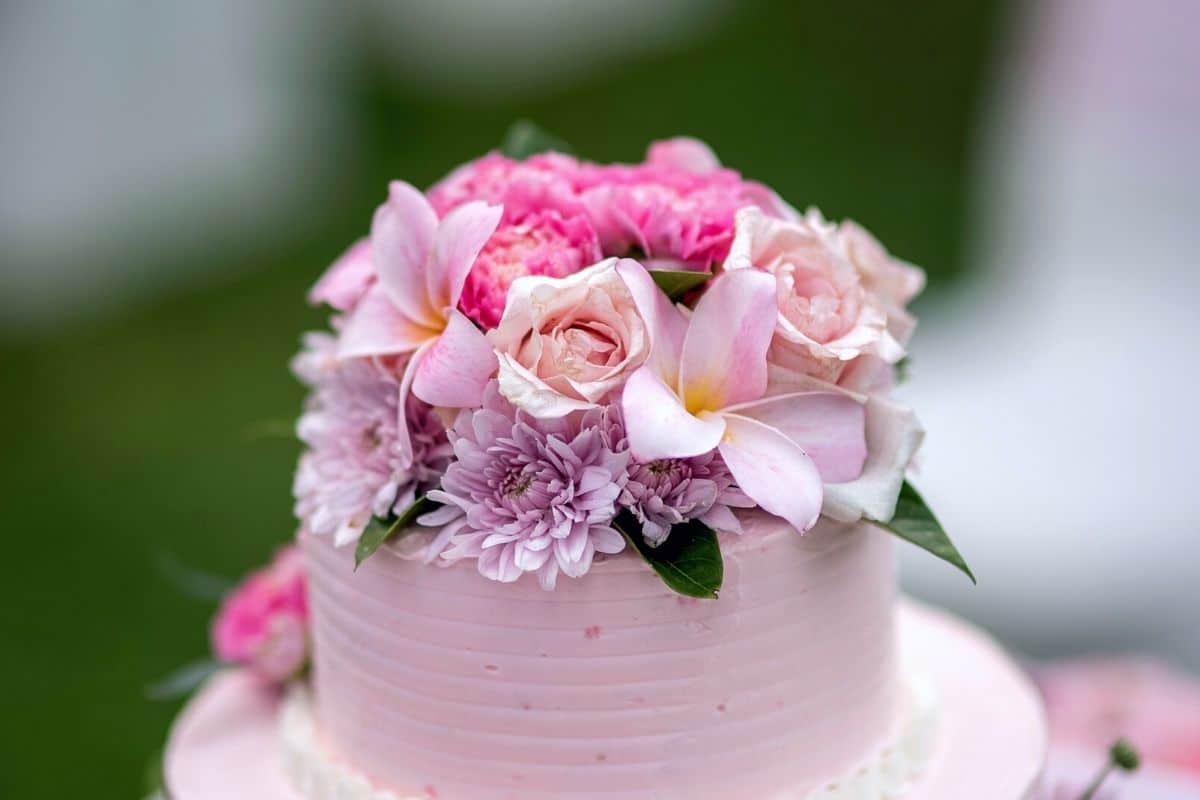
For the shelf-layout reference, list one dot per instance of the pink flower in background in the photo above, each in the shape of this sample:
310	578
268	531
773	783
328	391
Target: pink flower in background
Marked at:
704	389
565	344
354	468
541	243
263	623
669	491
826	316
1091	703
422	264
528	495
347	280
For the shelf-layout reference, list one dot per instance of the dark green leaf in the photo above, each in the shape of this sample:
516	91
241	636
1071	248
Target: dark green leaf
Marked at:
902	368
183	680
525	139
914	522
379	530
678	282
689	561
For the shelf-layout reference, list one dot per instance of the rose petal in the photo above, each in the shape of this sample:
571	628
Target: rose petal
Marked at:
457	367
893	436
829	426
460	237
657	424
402	237
376	327
683	152
725	351
531	394
772	470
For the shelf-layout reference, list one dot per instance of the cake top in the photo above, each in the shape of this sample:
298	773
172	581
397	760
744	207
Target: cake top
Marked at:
542	361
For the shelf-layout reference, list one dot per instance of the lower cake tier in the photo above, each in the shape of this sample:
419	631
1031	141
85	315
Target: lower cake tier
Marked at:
240	739
437	683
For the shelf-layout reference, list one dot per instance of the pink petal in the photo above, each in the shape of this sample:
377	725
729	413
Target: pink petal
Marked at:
772	470
376	328
657	424
345	282
829	426
683	152
531	394
402	238
893	436
725	351
460	237
403	437
666	323
457	366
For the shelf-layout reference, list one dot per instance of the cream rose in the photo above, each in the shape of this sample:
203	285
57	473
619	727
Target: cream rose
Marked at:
564	344
828	317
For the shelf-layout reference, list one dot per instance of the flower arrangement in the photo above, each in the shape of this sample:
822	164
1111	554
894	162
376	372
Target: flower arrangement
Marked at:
542	361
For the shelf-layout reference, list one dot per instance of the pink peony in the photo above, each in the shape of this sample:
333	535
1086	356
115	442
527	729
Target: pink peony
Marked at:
677	208
540	183
263	623
826	315
1091	703
528	495
541	243
565	344
354	467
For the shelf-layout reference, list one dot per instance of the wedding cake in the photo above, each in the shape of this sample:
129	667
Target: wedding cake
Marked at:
601	485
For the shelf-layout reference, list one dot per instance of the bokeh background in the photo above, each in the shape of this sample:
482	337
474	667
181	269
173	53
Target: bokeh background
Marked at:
173	177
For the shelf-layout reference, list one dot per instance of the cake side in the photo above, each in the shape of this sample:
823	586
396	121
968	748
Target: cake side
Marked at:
434	683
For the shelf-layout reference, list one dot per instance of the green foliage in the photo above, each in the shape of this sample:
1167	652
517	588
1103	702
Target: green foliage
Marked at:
689	561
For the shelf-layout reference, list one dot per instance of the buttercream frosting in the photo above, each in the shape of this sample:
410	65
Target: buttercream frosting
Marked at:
431	683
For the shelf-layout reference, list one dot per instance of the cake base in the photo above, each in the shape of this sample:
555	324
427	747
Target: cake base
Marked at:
991	738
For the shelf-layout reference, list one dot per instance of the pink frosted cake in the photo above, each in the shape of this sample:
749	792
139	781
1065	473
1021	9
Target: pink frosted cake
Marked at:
599	499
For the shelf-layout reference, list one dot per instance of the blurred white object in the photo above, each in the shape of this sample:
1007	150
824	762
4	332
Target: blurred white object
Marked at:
1060	390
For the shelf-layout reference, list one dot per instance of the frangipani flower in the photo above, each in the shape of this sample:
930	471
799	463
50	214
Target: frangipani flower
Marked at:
412	308
704	386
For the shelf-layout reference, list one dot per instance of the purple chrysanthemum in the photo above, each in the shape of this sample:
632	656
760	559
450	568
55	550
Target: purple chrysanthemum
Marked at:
669	491
352	469
531	495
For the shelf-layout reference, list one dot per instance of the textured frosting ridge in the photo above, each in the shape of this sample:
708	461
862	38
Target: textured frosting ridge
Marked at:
432	683
886	775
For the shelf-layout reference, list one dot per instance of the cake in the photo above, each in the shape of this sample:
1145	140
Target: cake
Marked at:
599	501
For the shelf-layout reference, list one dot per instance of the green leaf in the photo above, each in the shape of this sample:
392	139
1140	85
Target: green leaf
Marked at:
183	681
525	139
902	369
379	530
678	282
689	561
191	582
914	522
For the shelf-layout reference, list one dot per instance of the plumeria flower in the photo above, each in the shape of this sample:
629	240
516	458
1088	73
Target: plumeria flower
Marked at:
703	387
412	308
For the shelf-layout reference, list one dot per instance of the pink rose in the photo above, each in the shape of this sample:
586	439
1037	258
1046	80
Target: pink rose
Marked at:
263	623
1091	703
827	317
541	243
564	344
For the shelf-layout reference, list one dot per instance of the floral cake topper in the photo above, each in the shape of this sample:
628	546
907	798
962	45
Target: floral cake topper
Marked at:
542	361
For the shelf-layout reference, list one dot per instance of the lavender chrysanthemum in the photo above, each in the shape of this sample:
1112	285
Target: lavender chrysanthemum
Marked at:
531	495
669	491
352	469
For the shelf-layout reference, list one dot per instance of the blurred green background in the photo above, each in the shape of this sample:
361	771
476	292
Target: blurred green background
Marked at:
136	434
